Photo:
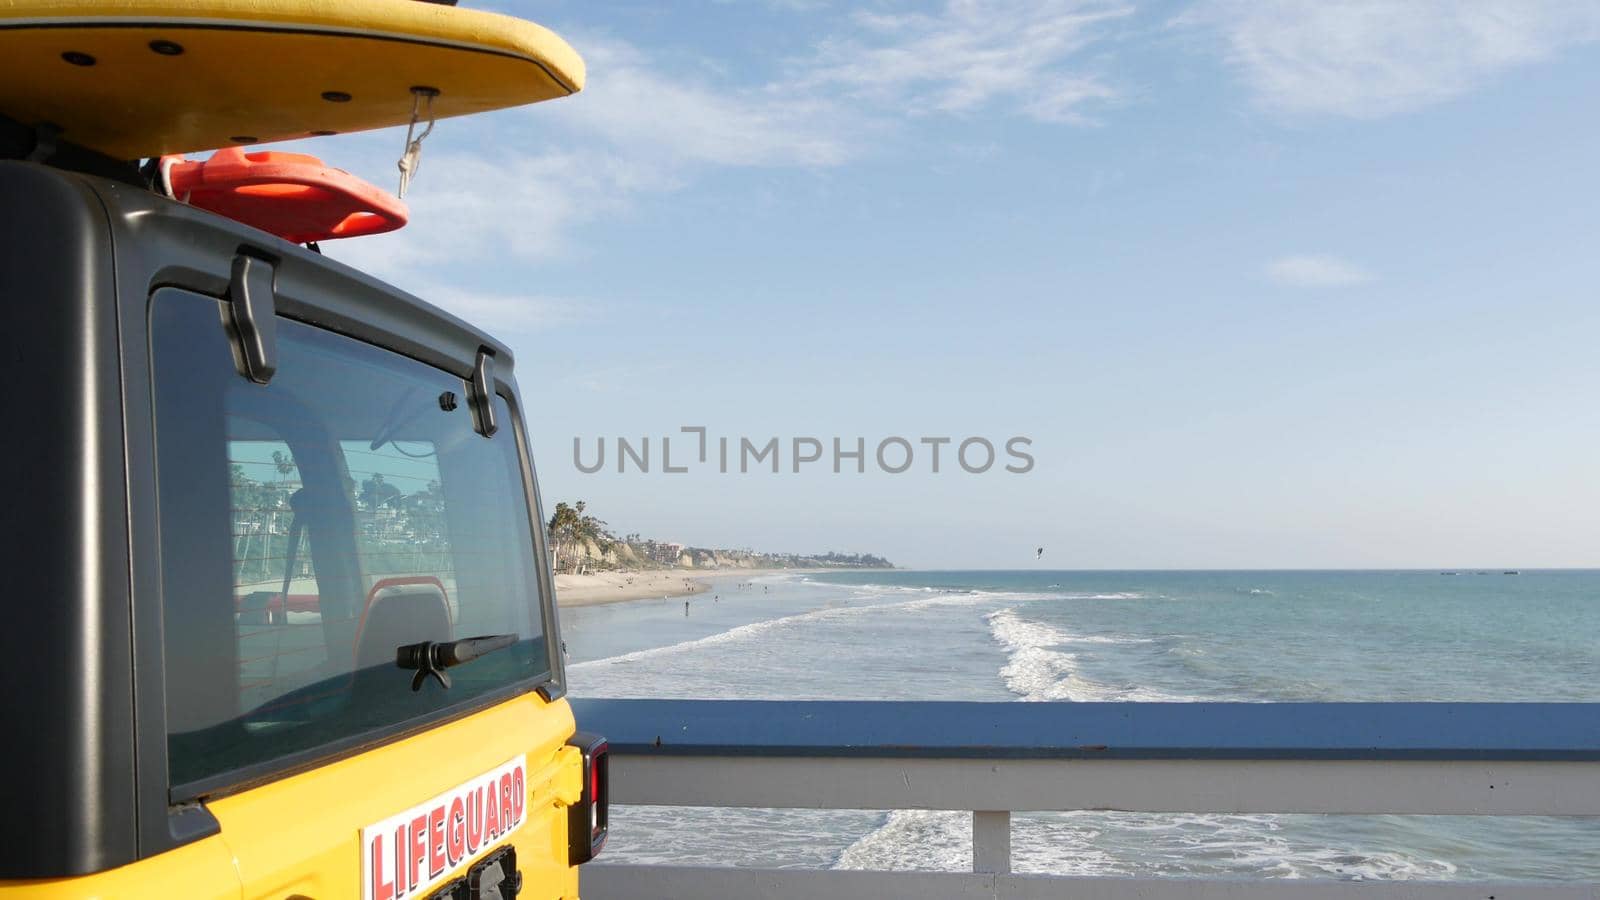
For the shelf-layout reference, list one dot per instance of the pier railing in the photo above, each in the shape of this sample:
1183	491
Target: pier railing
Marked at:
995	759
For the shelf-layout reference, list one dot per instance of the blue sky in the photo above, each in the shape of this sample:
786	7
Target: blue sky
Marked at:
1268	284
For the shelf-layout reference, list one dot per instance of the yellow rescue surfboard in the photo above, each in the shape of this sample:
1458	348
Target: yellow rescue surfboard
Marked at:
142	78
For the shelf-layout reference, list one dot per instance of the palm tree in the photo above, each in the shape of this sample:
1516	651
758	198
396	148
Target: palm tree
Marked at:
561	531
590	530
284	463
571	527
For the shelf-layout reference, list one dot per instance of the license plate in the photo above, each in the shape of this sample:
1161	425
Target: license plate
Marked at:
412	851
495	877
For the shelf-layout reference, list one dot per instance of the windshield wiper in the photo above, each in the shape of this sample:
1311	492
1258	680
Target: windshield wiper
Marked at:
433	657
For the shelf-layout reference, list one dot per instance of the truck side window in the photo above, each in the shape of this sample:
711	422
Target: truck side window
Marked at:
312	526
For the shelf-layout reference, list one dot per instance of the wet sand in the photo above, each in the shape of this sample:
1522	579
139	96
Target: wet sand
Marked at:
616	587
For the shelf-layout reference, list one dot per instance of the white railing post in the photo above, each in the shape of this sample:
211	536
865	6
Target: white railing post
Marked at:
991	841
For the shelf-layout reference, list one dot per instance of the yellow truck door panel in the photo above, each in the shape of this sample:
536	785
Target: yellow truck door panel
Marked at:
365	827
202	870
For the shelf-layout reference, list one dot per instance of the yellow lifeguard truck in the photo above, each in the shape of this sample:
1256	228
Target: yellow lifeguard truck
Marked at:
280	621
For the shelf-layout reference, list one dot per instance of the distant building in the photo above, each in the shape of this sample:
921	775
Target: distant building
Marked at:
664	553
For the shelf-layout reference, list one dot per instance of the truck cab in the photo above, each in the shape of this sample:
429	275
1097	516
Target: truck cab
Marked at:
281	619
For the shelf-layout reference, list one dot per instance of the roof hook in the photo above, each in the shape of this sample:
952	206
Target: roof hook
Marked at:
480	396
421	106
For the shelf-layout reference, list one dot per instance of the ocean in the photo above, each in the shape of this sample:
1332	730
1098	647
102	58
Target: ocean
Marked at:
1043	636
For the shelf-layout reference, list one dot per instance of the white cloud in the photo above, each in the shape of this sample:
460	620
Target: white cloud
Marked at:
487	190
825	107
972	54
509	313
470	204
640	127
1314	271
786	5
1371	58
633	103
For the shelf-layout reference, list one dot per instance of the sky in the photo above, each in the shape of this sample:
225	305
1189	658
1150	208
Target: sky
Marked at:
1266	284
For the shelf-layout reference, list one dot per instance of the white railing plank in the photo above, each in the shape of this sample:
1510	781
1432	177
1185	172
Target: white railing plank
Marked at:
615	882
1422	787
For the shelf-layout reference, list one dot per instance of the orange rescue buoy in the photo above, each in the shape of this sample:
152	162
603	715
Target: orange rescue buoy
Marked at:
292	195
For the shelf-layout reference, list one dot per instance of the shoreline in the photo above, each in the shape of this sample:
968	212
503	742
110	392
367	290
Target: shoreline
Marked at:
651	584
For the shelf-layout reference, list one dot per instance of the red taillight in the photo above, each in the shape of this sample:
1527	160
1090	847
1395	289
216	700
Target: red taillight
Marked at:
588	820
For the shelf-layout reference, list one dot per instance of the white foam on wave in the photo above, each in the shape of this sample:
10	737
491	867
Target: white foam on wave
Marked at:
861	596
939	841
1038	670
1122	844
914	839
1210	845
973	598
738	633
778	578
1054	592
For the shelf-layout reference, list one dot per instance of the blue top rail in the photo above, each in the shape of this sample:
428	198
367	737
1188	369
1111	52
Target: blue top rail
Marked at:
1356	731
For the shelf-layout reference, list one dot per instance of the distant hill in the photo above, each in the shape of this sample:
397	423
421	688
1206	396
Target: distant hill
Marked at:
581	542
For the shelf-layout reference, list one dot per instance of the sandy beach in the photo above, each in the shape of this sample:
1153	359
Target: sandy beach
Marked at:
615	587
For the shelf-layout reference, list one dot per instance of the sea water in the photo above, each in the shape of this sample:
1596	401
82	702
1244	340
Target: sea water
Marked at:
1476	635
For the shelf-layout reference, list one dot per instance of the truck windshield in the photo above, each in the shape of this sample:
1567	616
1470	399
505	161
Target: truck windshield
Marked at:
312	527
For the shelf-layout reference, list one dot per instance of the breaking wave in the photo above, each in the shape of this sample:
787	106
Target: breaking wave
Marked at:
865	600
1038	669
1123	844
